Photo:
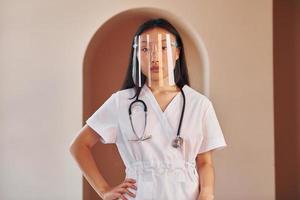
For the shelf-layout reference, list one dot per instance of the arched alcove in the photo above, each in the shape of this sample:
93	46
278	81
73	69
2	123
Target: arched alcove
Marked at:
104	68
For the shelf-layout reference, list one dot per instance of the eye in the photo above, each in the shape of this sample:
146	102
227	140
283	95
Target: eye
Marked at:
144	49
164	47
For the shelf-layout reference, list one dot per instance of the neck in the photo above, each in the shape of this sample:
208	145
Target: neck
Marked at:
156	88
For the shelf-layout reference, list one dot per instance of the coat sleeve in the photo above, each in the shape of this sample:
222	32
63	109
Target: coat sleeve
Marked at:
213	137
105	120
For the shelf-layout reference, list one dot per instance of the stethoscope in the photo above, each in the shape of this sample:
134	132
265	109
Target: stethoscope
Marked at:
177	142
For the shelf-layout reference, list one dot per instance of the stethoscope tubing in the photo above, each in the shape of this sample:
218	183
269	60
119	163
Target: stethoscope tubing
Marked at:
146	109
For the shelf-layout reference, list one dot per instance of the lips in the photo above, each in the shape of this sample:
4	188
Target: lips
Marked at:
154	68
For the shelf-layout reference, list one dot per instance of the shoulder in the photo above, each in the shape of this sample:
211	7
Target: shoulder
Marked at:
124	94
196	96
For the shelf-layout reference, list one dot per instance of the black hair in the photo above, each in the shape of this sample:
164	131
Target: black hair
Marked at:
180	71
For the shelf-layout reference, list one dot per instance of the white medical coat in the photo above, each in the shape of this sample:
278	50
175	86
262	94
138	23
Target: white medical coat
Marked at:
162	172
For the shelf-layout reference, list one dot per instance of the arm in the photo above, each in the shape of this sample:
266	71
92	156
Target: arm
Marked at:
80	149
206	170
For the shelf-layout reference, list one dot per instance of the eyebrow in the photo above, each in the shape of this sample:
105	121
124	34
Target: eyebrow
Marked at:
161	40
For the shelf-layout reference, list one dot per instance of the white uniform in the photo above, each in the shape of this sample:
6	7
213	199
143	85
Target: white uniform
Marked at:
162	172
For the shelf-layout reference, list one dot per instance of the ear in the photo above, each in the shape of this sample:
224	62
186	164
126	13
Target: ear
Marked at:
177	53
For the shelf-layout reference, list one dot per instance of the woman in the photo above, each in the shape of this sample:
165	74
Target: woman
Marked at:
165	130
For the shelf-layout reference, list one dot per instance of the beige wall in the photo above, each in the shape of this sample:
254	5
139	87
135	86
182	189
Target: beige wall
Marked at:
43	45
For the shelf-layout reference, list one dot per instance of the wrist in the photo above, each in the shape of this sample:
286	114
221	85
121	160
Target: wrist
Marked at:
206	193
103	190
206	196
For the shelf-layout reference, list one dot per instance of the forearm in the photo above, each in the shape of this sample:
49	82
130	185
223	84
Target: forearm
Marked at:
206	172
83	156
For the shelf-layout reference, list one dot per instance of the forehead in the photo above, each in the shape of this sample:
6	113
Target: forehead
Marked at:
154	32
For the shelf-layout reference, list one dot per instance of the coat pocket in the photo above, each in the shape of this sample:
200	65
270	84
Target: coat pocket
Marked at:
134	136
136	124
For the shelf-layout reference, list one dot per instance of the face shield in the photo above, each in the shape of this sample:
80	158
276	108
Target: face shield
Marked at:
155	56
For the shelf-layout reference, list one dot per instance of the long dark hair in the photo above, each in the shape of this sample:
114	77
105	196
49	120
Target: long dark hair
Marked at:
180	71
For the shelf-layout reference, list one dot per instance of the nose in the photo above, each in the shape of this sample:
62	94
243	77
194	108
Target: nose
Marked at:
153	54
153	57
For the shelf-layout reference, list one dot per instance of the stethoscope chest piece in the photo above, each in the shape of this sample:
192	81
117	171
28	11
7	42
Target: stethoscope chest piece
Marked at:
177	142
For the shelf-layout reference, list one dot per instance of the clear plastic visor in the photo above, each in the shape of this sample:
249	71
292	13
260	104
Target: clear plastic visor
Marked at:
154	56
